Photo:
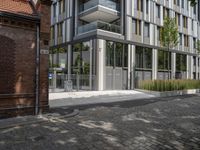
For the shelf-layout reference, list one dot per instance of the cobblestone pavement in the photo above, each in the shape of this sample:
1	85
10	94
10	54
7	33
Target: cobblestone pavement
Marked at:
153	124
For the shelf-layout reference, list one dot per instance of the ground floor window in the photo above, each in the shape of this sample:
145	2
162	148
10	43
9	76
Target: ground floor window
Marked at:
116	54
143	58
164	59
181	66
81	58
58	63
143	66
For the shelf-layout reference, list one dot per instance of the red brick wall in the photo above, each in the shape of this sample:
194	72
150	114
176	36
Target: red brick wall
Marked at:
44	8
17	58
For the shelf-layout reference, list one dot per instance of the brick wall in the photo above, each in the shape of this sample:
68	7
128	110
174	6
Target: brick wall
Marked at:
44	9
17	65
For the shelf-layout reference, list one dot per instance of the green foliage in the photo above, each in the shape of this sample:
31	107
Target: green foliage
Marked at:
169	85
169	33
198	46
193	2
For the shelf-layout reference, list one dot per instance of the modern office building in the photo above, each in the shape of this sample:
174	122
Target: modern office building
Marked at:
109	44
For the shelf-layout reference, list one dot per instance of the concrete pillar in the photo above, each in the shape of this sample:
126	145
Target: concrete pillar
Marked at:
69	55
173	65
101	52
91	54
196	68
131	66
154	64
189	67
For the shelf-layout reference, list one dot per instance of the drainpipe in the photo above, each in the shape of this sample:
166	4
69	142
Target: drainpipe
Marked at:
37	71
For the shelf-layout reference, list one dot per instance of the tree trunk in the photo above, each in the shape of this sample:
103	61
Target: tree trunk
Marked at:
168	64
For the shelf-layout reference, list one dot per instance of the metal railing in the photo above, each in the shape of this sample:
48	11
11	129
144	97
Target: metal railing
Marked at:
99	25
79	82
106	3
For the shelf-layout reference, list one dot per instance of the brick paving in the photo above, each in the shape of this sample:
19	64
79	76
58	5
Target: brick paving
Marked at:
153	124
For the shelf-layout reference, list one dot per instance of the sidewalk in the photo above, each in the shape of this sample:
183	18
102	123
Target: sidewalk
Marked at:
94	97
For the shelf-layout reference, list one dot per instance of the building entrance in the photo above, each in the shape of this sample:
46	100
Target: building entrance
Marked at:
116	66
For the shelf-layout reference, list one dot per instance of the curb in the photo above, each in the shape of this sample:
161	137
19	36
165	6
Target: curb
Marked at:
48	119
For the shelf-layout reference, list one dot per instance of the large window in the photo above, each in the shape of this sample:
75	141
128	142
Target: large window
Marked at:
58	58
181	62
81	58
163	60
116	54
143	58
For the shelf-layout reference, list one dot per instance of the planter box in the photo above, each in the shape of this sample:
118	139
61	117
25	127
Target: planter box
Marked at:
170	93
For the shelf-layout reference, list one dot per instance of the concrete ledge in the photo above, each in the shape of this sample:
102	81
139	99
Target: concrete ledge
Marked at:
171	93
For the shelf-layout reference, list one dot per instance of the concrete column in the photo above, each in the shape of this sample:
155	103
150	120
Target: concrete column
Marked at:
101	51
189	67
91	54
173	65
154	64
131	66
69	55
128	31
196	68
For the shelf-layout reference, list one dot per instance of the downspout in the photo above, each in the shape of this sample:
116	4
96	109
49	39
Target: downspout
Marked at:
37	80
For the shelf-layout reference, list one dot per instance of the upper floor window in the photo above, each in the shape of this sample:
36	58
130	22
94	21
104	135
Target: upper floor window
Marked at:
61	6
177	2
52	32
178	19
192	25
186	41
54	10
147	6
180	39
195	9
139	5
157	11
146	29
136	26
158	33
194	43
182	3
185	22
165	12
60	29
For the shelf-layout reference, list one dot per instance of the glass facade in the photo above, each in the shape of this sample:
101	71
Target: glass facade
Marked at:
163	60
143	58
181	66
116	54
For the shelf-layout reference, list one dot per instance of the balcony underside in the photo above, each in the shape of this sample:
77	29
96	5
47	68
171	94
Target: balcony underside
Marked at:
99	13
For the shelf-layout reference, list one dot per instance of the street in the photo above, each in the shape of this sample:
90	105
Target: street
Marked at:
151	124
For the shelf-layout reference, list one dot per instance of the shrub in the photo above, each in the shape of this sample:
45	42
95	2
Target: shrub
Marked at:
169	85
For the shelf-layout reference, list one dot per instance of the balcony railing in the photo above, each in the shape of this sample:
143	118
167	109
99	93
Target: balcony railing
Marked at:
106	3
99	25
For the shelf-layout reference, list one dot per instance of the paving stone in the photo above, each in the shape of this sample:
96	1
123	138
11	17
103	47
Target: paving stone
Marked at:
157	124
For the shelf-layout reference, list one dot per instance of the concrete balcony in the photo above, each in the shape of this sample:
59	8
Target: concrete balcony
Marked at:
98	25
105	10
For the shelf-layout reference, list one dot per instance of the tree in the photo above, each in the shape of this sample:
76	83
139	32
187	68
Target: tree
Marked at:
169	37
198	46
193	2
